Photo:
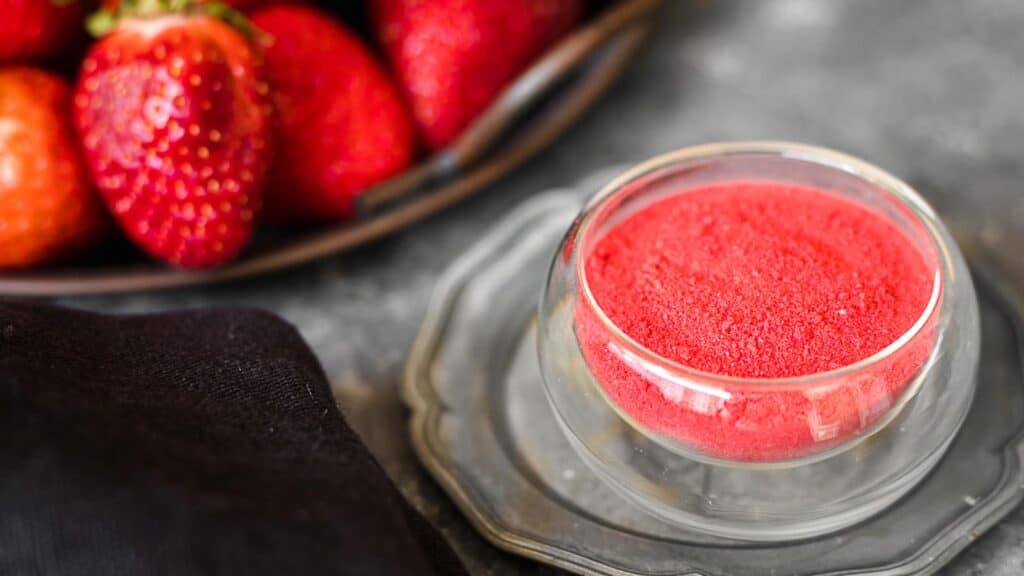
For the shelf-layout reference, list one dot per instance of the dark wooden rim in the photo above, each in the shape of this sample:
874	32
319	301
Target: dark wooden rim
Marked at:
500	140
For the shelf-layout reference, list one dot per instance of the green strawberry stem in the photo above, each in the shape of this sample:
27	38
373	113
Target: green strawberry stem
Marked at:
103	21
231	17
100	23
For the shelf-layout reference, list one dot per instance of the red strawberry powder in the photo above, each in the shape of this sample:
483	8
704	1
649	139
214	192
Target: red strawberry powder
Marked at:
756	279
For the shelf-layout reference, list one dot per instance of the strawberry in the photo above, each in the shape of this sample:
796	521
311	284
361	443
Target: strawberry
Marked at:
174	116
38	30
453	57
342	125
47	206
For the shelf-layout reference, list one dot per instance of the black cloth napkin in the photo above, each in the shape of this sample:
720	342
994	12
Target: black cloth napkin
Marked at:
201	442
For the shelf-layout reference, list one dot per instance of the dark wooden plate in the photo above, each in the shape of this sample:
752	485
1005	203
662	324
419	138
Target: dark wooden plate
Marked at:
542	103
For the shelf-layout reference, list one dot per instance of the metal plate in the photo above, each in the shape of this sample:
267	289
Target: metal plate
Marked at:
484	430
541	104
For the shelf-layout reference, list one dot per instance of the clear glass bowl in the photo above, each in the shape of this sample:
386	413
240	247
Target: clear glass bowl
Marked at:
841	445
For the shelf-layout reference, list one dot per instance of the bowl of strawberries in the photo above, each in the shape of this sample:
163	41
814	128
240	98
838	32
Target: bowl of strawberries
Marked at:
192	142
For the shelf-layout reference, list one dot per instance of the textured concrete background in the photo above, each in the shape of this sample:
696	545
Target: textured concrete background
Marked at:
931	89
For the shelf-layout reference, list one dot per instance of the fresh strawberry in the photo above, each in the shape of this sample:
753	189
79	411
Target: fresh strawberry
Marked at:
454	57
342	125
174	116
47	207
38	30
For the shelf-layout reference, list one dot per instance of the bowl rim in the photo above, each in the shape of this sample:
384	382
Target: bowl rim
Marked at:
890	185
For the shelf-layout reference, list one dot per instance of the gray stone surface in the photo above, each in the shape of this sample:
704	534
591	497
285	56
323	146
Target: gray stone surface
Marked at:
930	89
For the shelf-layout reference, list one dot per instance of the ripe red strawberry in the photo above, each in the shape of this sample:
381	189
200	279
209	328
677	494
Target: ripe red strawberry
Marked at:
453	57
342	125
174	116
38	30
47	207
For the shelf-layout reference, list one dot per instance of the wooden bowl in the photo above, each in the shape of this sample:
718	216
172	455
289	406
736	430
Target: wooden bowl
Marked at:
541	104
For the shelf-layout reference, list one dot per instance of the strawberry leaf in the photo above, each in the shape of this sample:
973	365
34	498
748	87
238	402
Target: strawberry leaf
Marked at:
105	20
231	17
100	23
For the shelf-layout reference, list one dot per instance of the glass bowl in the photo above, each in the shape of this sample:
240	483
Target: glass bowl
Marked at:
827	449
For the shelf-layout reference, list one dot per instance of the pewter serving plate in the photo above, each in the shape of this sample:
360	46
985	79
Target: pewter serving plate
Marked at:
483	428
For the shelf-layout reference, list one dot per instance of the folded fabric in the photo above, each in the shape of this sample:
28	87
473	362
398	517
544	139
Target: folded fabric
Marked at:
201	442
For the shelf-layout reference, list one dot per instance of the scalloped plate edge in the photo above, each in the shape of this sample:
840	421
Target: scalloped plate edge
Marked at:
427	407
